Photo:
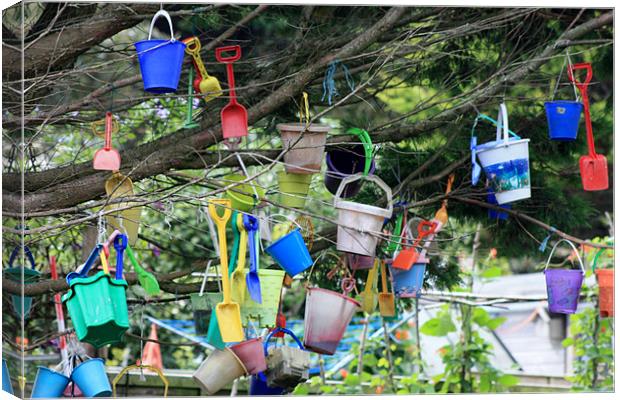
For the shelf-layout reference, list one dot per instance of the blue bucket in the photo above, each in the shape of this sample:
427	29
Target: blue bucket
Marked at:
408	283
90	376
7	386
493	214
259	387
160	60
563	119
48	383
291	253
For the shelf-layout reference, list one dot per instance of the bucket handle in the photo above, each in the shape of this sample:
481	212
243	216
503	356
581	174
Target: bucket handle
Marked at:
161	13
596	257
502	123
583	270
28	254
284	330
374	178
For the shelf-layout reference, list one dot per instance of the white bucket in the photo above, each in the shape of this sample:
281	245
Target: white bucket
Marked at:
360	224
218	370
303	155
506	163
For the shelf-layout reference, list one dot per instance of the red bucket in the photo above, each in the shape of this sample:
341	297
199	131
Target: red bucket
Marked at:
605	278
251	354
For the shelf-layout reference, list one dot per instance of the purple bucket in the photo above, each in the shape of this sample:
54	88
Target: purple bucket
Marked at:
563	287
358	261
342	163
408	283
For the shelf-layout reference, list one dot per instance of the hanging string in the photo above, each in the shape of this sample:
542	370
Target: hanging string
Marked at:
557	82
543	244
329	84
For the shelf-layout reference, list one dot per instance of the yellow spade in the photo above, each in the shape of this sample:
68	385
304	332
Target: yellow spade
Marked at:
442	214
238	276
387	308
369	295
207	85
228	313
126	221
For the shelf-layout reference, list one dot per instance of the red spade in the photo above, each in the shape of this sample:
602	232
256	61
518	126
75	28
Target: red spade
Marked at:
234	115
408	256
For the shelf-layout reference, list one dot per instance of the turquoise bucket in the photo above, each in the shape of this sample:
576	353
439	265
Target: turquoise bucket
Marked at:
90	376
409	283
48	383
214	336
291	253
7	386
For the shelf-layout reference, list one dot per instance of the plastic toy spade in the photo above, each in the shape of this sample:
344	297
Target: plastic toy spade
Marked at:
234	115
107	158
204	83
407	257
252	279
593	167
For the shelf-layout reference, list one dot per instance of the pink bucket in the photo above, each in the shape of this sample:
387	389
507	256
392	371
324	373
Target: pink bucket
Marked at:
251	354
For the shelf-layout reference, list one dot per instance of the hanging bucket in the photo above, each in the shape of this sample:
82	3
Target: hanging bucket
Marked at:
218	370
98	308
327	316
202	307
286	366
342	163
408	283
7	386
160	59
293	189
31	275
265	313
493	214
291	253
242	202
563	285
214	336
506	163
358	261
605	278
303	155
48	383
251	354
359	224
563	119
92	379
259	387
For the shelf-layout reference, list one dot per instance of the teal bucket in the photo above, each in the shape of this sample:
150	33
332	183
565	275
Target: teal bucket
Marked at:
563	119
214	336
92	379
48	383
7	386
291	253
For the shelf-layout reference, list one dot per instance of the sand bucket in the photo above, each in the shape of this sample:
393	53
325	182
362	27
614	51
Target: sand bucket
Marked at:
31	275
605	279
160	59
563	119
218	370
359	224
408	283
203	305
303	155
242	202
251	354
286	366
92	379
265	313
259	387
48	383
506	163
342	163
327	316
293	189
358	261
564	285
7	386
291	253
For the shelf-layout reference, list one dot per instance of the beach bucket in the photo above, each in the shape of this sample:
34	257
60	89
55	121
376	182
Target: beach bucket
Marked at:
214	336
303	155
7	386
31	275
563	285
493	214
408	283
48	383
286	366
92	379
98	308
342	163
360	224
259	387
291	253
251	354
160	59
563	119
506	163
238	201
293	189
605	279
358	261
264	314
218	370
327	316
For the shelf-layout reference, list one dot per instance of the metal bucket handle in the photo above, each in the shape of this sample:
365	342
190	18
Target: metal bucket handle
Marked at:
288	332
161	13
374	178
28	253
583	271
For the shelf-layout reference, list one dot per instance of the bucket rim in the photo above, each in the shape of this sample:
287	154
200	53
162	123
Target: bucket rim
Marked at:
52	371
245	186
284	237
344	296
496	144
87	361
90	280
305	177
564	102
300	127
362	208
160	41
336	173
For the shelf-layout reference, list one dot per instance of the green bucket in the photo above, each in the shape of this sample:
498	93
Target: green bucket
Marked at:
242	202
30	276
98	308
294	189
203	306
264	313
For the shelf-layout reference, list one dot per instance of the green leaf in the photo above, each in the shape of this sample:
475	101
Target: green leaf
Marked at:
352	380
485	383
494	323
568	342
508	380
492	272
439	326
301	390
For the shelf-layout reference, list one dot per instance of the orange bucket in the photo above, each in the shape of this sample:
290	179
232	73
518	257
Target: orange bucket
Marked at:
605	278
